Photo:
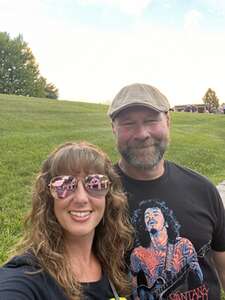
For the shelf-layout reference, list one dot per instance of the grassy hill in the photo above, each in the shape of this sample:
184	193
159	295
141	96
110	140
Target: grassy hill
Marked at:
30	128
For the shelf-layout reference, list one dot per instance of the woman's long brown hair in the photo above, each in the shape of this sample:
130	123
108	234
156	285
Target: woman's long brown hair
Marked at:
43	235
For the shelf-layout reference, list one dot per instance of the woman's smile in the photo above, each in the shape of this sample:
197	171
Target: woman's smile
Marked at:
80	216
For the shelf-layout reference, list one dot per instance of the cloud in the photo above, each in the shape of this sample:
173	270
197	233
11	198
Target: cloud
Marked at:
92	63
192	20
17	7
129	7
214	6
20	16
133	7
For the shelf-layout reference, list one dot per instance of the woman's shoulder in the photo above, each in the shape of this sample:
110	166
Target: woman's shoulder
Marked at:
21	278
18	265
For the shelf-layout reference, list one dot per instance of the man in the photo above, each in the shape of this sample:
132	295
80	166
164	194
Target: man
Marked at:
141	125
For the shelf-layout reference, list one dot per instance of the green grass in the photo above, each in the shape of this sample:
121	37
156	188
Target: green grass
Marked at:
30	128
198	141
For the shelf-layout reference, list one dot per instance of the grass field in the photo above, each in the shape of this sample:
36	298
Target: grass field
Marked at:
30	128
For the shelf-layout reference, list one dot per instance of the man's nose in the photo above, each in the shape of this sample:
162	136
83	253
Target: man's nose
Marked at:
142	132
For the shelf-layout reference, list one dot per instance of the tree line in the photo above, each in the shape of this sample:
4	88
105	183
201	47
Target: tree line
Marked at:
211	100
19	71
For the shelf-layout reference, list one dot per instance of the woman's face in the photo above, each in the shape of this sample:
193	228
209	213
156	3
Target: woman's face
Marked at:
80	211
154	219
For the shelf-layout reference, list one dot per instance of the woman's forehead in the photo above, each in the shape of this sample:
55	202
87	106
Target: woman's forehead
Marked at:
77	162
80	170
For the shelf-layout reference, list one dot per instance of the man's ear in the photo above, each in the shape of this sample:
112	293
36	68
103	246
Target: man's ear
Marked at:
113	127
168	119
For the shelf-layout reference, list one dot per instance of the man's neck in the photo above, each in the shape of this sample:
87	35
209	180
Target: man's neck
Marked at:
140	174
160	240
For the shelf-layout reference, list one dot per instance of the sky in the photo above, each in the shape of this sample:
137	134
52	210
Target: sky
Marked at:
90	49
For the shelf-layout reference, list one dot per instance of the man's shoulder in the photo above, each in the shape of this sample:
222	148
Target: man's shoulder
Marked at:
174	174
186	172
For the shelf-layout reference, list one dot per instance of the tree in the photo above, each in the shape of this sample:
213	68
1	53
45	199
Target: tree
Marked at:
51	91
211	100
19	72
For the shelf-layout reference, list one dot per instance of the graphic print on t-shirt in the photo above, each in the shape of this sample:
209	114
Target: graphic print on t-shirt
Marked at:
163	263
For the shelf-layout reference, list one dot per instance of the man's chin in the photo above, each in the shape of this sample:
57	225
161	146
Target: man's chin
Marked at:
143	165
141	159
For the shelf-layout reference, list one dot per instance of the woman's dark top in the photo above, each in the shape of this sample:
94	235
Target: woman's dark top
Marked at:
18	282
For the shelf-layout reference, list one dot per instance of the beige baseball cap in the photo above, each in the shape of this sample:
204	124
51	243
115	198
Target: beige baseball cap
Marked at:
138	94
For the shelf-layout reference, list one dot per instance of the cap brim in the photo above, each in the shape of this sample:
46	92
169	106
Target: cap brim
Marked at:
113	114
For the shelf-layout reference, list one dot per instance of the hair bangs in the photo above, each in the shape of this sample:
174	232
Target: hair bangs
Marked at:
75	159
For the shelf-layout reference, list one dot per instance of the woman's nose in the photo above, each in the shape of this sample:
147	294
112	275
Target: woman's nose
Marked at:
80	195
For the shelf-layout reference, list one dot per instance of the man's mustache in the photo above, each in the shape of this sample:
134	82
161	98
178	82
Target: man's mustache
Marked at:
144	144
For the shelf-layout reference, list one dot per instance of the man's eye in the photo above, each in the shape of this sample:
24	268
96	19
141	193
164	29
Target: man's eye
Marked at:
129	124
151	121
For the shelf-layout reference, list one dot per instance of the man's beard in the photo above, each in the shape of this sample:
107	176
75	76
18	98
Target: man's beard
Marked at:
144	155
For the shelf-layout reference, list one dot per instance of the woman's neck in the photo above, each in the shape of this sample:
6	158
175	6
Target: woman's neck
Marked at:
85	265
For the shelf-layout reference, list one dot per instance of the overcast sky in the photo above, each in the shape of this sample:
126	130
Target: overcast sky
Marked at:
91	48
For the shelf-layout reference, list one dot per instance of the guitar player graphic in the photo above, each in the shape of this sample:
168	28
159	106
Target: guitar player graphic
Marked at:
161	258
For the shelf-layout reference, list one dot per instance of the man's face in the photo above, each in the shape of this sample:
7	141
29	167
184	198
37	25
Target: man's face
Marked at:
142	136
154	219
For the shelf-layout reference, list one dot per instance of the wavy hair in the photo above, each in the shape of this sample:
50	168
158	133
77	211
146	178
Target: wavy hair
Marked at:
43	235
142	236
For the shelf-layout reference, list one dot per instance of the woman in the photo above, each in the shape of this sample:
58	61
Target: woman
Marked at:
76	234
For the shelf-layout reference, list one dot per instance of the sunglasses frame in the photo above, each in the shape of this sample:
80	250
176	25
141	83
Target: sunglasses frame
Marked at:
68	188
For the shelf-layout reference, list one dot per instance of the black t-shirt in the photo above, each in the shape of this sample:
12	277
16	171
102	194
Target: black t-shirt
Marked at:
191	214
99	290
17	284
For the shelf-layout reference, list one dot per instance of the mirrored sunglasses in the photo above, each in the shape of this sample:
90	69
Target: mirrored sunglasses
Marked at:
63	186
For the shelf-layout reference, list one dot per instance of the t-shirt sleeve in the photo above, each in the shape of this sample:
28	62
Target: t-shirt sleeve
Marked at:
15	287
218	241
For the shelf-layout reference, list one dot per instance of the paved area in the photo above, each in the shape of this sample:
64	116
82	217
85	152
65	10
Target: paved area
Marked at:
221	189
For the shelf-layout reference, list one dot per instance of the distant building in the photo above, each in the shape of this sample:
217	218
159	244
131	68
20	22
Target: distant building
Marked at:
201	108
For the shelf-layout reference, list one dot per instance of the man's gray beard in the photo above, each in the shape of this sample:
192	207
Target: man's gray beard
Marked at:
130	157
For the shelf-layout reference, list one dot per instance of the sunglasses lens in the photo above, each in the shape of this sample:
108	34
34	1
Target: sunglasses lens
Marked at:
63	186
97	184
